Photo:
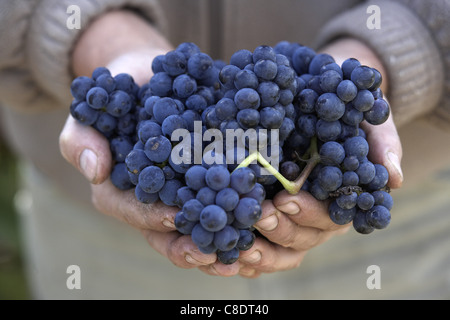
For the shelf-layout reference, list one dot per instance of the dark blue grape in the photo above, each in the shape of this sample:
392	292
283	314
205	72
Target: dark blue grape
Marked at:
247	98
188	49
195	177
381	178
318	61
332	153
119	103
168	193
248	211
264	52
329	81
347	201
330	178
366	172
151	179
363	101
183	225
158	149
363	77
271	118
192	209
378	217
246	79
148	129
258	193
243	180
161	84
346	90
172	123
248	118
201	237
226	109
383	198
199	64
184	86
360	223
184	194
350	178
119	177
85	114
329	107
80	87
120	147
241	58
227	199
379	112
217	177
339	215
213	218
269	93
365	201
328	130
246	239
206	196
307	100
301	58
348	66
175	63
357	147
106	122
145	197
226	239
228	257
136	160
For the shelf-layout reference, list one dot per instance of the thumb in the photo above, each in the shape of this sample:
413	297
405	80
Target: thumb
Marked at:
86	149
386	149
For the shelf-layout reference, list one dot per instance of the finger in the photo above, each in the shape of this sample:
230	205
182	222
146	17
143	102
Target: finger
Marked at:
124	206
220	269
178	248
386	149
305	210
267	257
86	149
287	232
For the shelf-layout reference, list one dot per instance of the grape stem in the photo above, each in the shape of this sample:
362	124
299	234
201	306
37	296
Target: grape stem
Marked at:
293	187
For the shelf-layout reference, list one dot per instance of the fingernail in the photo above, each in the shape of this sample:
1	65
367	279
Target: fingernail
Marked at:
268	224
393	159
289	208
168	224
253	257
88	164
191	260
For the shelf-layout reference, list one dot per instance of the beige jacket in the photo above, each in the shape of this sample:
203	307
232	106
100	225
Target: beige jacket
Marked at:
413	42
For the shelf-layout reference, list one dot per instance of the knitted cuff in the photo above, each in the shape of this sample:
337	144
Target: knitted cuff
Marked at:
50	41
404	45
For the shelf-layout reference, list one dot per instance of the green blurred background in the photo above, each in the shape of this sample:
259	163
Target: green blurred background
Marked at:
13	285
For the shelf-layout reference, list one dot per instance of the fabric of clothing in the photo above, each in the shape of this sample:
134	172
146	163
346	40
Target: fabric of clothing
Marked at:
62	228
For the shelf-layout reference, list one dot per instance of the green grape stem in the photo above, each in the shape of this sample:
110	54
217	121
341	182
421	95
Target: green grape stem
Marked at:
293	187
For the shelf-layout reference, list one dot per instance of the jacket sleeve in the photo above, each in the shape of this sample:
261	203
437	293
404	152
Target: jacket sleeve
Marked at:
413	43
35	54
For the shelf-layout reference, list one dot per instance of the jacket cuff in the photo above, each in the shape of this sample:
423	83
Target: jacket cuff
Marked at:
50	42
405	47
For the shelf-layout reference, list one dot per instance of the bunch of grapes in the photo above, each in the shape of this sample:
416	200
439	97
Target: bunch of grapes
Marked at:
169	138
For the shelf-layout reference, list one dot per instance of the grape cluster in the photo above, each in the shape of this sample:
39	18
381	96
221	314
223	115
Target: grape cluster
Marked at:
312	104
331	105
